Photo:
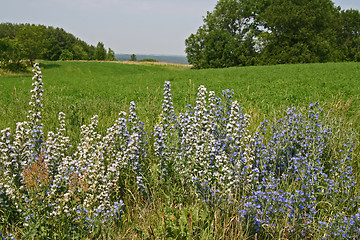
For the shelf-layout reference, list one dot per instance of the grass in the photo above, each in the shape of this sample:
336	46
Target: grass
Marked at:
83	89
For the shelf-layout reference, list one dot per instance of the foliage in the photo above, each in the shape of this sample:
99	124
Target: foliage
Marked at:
195	170
148	60
261	32
226	39
30	42
33	41
110	56
10	55
301	32
100	52
349	35
133	58
66	55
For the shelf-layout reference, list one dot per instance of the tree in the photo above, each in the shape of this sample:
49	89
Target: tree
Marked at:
79	52
10	55
110	56
5	48
298	31
349	35
100	52
133	58
249	32
33	41
227	38
8	30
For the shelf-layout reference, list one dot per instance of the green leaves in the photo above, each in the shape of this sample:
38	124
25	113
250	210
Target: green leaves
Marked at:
100	52
19	42
226	39
262	32
33	40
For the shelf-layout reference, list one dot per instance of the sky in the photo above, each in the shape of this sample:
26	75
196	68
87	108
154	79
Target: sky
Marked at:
126	26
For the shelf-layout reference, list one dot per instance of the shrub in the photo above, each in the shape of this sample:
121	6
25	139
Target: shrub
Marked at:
17	66
148	60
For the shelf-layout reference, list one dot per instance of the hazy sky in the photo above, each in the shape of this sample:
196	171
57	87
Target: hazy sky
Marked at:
126	26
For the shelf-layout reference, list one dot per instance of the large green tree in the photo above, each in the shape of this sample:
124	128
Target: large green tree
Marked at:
248	32
33	41
227	38
298	31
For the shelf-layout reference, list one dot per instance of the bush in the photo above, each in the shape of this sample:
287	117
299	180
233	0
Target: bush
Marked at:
148	60
18	66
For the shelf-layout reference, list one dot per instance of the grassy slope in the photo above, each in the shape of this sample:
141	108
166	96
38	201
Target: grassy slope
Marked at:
82	89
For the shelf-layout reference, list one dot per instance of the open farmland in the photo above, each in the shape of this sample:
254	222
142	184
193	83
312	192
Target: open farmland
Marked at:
210	171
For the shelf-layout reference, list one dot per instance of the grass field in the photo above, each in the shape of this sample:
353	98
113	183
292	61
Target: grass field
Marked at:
83	89
296	181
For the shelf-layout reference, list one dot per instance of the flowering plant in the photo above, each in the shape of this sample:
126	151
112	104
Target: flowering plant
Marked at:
282	179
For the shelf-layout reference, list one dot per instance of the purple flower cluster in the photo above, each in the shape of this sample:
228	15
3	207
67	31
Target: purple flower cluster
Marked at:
286	173
296	174
165	134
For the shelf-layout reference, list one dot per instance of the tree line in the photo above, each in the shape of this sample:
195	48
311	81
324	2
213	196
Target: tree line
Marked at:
261	32
23	43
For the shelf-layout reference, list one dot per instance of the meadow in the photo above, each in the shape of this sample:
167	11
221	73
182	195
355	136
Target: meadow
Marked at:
83	89
277	157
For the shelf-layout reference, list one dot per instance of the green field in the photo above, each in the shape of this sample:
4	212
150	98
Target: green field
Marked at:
83	89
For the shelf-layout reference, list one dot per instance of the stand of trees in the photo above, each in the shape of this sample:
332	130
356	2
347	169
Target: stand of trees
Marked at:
259	32
19	42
